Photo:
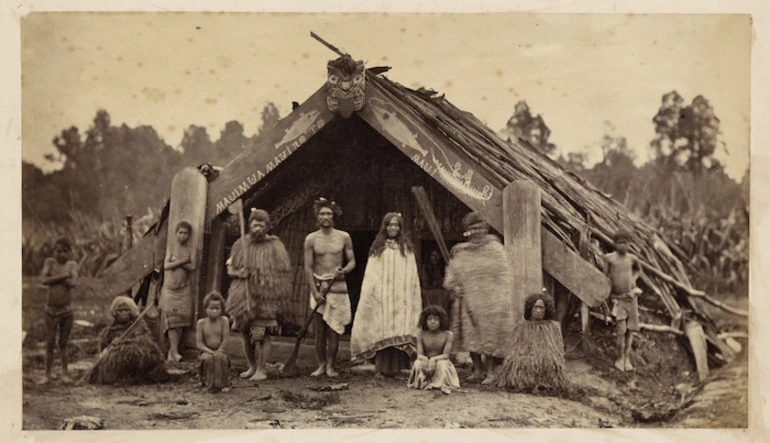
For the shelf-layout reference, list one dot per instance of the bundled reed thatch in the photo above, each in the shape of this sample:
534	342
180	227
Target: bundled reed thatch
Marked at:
570	205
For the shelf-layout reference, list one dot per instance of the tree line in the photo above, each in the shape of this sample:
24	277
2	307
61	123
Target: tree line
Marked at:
110	171
682	190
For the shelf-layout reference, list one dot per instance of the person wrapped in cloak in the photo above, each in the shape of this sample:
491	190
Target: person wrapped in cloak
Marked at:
389	308
536	354
263	264
135	358
480	277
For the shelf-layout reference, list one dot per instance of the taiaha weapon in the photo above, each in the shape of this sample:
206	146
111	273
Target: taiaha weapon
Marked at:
114	343
427	211
237	208
292	360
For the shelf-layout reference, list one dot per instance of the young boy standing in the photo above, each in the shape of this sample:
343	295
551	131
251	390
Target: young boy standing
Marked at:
59	275
623	269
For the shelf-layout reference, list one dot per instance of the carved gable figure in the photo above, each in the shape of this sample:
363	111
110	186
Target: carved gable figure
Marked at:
345	84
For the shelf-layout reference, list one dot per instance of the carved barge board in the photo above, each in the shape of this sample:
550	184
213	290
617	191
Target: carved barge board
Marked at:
240	175
247	169
468	184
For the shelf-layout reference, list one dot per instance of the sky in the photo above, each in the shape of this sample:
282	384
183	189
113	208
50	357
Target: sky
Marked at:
171	70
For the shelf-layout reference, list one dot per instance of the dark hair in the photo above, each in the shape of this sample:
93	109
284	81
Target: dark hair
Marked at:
621	235
214	296
64	244
530	301
324	203
438	311
404	244
183	224
259	215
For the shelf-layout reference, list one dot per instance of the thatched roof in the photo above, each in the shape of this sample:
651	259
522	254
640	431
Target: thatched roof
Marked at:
570	205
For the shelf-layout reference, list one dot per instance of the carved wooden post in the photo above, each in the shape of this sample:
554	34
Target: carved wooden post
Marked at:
521	225
216	256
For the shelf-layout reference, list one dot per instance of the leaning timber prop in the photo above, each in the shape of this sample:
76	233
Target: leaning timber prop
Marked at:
430	218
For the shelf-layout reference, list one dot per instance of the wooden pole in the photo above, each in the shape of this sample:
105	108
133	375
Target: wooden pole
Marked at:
521	226
128	242
216	259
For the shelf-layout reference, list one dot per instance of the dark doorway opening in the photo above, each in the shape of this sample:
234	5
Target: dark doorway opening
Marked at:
362	240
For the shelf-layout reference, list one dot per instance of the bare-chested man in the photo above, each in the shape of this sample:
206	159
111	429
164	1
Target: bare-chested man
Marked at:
324	250
623	269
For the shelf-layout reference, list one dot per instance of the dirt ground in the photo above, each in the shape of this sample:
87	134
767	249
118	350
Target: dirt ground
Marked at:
660	393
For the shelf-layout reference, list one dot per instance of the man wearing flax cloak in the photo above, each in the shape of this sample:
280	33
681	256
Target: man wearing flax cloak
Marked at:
389	309
481	280
260	261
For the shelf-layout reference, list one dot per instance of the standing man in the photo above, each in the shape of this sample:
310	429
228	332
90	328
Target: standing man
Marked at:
324	251
259	266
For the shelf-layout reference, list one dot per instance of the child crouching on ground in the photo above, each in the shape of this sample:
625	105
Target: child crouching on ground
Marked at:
433	369
211	335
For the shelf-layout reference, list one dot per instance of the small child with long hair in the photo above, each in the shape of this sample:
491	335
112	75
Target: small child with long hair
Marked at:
211	336
433	369
535	358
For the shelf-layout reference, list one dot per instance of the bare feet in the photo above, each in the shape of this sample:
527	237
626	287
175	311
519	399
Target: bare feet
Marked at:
45	380
173	357
488	380
65	379
330	372
248	373
225	389
628	365
620	365
318	372
258	376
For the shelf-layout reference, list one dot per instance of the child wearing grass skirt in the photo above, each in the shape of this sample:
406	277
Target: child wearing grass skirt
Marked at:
535	357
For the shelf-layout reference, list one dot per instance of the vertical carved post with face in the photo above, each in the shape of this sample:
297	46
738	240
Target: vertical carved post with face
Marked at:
345	84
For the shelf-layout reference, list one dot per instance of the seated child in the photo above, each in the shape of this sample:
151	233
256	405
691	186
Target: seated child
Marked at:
211	335
433	369
535	357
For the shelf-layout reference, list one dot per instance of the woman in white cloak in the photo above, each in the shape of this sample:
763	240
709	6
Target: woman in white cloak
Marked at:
385	324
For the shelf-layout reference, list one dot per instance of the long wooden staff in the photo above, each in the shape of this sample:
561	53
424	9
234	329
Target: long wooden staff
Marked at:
427	211
114	343
292	360
237	208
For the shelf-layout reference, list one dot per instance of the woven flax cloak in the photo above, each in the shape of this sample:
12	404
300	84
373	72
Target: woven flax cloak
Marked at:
482	273
269	280
389	307
135	359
